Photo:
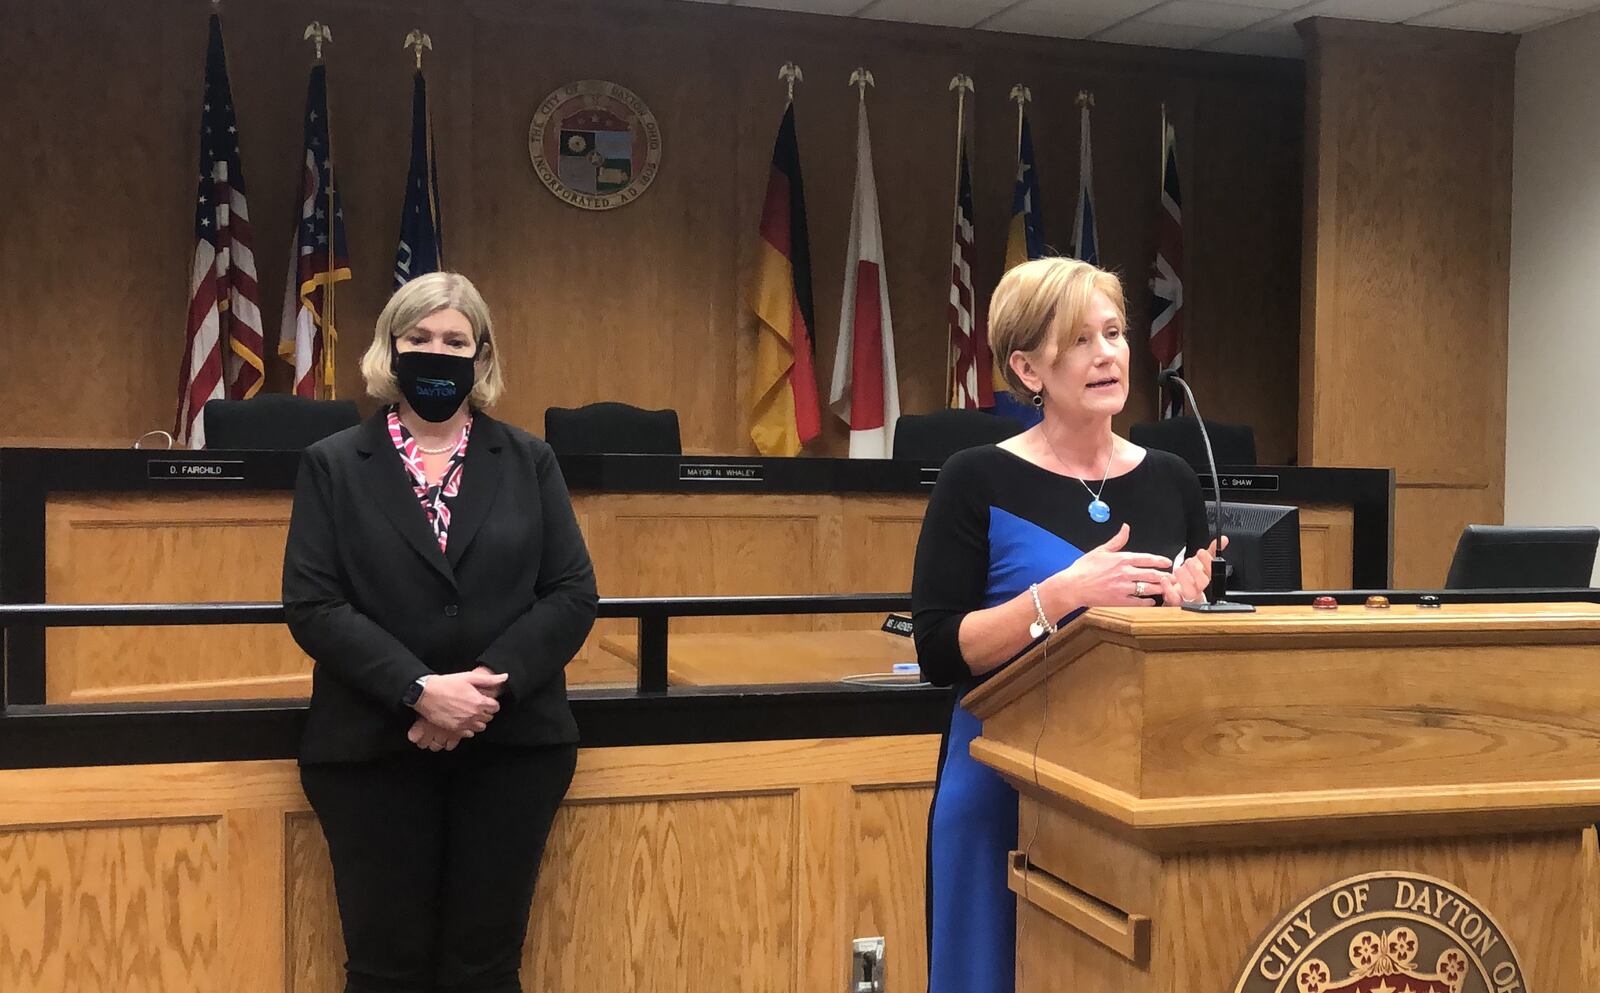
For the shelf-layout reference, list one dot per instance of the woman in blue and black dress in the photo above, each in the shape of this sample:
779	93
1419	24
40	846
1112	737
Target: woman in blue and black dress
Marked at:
1018	537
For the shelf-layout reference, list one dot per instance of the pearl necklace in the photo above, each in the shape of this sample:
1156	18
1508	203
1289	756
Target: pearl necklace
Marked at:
436	451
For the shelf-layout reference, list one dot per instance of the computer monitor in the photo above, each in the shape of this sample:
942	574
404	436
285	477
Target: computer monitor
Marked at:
1263	545
1491	556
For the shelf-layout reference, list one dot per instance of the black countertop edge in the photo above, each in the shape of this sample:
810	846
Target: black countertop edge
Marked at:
34	737
126	470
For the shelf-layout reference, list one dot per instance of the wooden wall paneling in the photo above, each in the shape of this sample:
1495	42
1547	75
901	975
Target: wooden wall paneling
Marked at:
96	253
745	865
1403	357
110	906
1327	542
252	910
875	551
177	548
679	894
645	303
313	940
1427	524
891	846
826	884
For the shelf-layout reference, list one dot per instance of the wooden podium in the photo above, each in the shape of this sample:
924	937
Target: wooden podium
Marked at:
1360	800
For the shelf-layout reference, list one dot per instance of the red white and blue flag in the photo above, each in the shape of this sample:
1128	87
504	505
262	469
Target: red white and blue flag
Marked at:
222	349
1166	283
972	384
318	260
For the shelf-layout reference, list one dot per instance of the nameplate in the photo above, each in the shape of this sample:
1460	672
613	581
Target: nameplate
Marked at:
211	470
1262	483
714	472
898	624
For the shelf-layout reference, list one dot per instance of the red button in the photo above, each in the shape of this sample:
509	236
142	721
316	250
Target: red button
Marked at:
1325	603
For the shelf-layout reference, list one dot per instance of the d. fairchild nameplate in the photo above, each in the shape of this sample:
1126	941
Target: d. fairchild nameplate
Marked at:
595	144
1385	932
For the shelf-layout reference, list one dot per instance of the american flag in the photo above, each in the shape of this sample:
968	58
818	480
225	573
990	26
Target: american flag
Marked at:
318	260
223	333
1166	284
972	383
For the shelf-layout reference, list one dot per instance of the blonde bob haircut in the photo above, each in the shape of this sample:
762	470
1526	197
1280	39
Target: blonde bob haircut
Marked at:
1041	302
411	303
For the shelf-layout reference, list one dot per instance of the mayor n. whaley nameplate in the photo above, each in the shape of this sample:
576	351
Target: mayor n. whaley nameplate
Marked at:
595	144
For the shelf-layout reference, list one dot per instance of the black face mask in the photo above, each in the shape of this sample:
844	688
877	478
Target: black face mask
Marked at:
435	385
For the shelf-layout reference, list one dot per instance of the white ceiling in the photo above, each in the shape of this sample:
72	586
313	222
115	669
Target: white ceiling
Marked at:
1246	27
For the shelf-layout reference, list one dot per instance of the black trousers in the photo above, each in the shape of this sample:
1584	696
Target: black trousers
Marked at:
434	860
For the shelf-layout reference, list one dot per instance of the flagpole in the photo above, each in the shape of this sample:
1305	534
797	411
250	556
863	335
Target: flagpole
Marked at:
1163	145
1161	191
961	83
330	333
1022	95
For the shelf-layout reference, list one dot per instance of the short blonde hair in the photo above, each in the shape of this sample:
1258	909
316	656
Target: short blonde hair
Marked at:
1037	296
410	304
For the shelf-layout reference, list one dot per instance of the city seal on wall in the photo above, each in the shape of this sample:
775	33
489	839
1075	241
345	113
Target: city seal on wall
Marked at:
1385	932
595	144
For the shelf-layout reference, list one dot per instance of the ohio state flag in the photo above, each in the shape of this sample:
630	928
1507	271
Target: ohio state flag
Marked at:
865	392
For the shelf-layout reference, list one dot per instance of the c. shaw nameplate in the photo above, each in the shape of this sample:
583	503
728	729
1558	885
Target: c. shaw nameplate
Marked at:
1385	932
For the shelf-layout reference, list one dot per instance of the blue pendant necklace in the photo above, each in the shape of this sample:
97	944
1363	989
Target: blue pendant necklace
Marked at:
1099	510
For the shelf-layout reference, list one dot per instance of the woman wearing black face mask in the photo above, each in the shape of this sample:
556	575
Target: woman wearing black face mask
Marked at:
436	575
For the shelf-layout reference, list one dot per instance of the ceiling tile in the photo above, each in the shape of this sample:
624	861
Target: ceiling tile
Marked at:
1077	20
807	6
1568	5
955	13
1275	44
1392	11
1478	16
1205	14
1142	32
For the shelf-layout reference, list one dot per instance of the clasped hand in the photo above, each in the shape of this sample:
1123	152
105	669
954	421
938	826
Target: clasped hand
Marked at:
1109	577
454	706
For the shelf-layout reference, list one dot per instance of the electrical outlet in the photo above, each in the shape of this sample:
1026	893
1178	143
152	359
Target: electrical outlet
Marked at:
866	966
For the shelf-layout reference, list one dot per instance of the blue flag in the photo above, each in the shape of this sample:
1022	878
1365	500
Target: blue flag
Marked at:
1024	242
421	233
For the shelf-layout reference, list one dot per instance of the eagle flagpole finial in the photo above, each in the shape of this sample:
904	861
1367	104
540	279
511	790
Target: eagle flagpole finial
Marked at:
317	33
417	40
791	74
862	78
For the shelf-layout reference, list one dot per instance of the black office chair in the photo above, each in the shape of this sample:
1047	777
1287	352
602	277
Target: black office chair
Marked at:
937	436
1232	444
277	421
1495	556
611	428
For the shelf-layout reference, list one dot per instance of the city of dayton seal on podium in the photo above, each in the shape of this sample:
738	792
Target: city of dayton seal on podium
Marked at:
595	144
1385	932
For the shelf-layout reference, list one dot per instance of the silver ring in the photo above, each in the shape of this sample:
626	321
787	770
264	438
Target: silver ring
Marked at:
1138	588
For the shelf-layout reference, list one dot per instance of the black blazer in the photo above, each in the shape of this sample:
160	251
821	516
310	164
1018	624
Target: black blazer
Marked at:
373	601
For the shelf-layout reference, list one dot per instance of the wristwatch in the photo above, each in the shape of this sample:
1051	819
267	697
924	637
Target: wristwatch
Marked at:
413	692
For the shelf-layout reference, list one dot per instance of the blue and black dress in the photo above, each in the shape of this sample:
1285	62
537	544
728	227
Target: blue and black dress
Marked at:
997	523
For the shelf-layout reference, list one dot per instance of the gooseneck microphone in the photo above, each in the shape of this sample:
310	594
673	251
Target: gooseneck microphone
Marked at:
1217	592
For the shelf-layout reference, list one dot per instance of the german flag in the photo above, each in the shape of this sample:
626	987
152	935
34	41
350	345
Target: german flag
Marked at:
785	413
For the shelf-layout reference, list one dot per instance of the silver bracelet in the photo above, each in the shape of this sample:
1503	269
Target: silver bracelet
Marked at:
1041	626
